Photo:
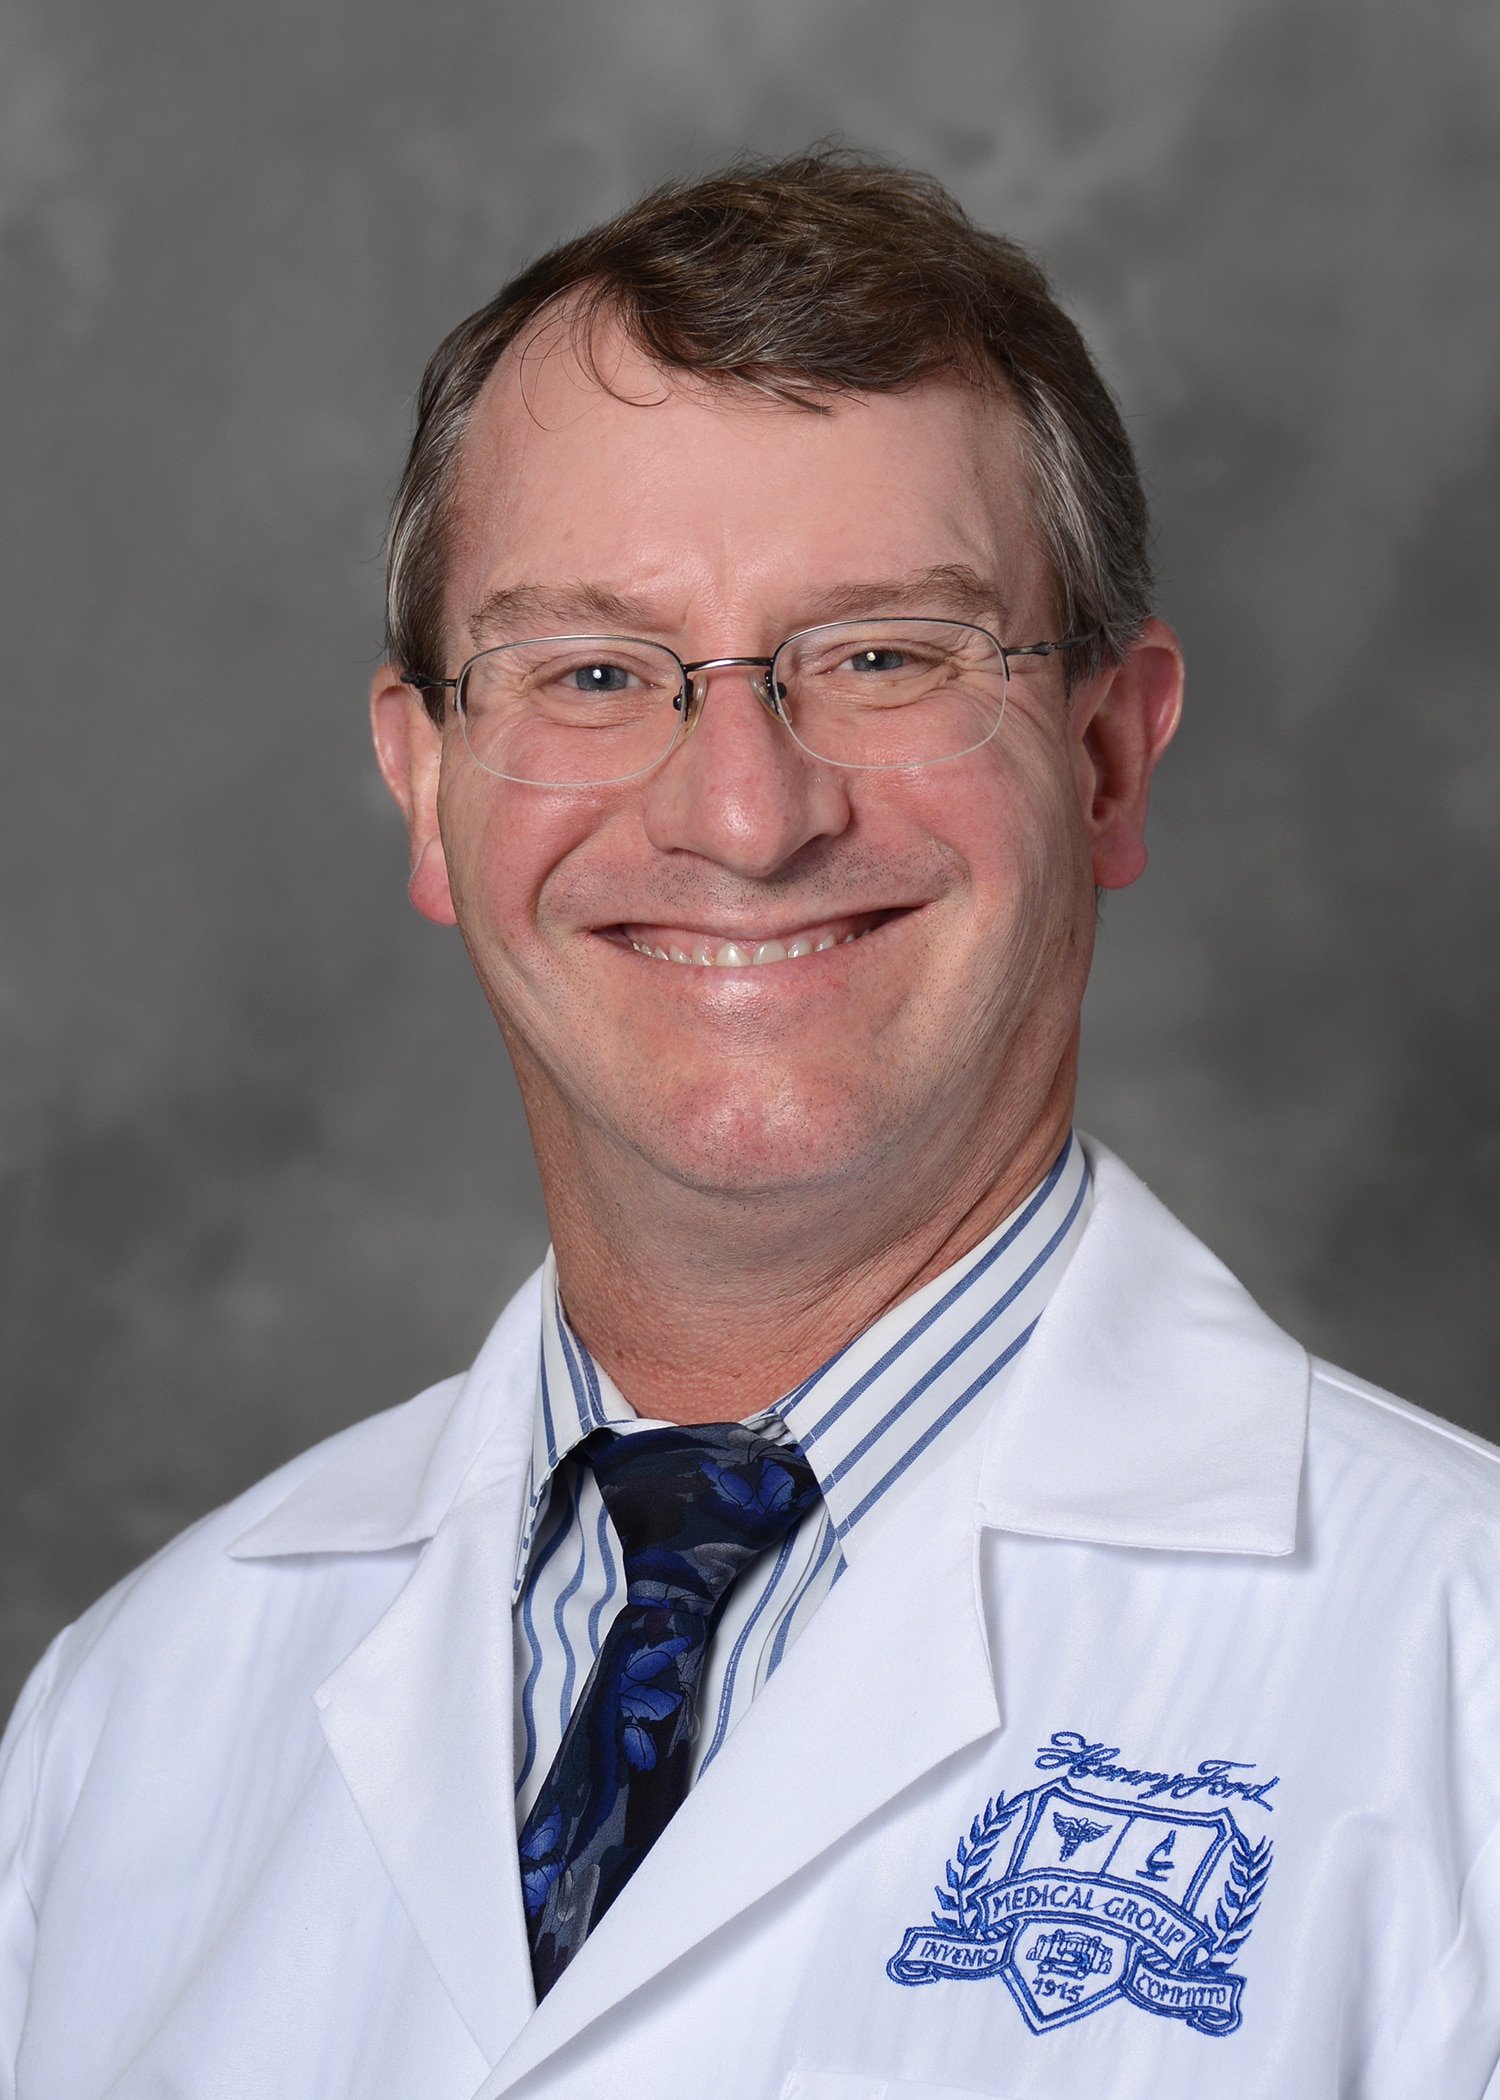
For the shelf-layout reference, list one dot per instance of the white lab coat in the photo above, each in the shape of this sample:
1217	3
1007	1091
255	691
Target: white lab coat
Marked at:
257	1821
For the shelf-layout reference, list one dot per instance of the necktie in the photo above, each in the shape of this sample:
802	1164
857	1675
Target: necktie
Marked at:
691	1508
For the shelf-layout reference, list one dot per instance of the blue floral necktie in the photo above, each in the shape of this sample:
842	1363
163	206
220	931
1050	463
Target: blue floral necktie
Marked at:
691	1507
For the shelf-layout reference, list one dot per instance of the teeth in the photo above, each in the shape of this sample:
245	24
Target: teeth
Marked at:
735	955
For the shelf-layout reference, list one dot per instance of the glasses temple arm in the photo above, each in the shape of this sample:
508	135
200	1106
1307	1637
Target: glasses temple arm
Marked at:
1074	641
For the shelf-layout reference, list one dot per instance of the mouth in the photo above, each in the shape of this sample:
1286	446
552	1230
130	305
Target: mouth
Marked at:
740	948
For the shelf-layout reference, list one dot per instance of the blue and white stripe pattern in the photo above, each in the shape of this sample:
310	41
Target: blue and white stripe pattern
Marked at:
871	1421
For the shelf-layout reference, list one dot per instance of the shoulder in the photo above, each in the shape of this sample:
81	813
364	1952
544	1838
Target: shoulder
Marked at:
186	1644
198	1574
1399	1542
282	1577
214	1650
1372	1417
1397	1466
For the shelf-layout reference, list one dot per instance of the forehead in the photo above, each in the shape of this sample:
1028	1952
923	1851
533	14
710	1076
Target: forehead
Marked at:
632	479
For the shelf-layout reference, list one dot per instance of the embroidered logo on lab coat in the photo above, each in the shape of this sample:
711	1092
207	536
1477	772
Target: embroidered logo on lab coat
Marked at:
1077	1897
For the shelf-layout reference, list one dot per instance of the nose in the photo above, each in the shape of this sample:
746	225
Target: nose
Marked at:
738	790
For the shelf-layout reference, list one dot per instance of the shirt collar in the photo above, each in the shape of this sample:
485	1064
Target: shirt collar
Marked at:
573	1399
882	1411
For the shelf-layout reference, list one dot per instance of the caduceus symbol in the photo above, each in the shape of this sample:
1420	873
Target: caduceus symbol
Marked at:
1075	1831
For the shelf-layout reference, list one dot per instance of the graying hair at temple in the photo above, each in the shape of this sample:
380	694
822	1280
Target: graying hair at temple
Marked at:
807	278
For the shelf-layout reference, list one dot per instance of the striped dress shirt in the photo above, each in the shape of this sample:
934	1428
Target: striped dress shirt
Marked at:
871	1421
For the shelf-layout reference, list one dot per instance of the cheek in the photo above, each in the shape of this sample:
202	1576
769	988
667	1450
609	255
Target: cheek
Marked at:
1019	947
503	843
1011	816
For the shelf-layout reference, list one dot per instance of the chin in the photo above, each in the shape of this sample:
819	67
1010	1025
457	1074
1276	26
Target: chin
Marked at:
723	1143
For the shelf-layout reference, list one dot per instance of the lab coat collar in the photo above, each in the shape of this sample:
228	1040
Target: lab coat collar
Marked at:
1155	1405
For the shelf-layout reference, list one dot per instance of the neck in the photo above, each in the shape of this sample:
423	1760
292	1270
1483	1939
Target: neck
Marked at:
706	1306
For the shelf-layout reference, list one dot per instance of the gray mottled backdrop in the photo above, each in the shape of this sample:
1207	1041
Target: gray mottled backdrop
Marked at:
261	1170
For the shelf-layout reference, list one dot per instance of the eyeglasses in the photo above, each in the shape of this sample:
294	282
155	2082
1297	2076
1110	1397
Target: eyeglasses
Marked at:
589	710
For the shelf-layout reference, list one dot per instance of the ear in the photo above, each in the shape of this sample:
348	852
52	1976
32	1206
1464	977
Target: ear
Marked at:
1123	721
409	746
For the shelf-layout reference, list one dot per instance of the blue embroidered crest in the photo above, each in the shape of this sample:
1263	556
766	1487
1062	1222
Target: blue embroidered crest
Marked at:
1077	1899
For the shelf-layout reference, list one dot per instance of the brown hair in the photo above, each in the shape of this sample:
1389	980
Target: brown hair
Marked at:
828	273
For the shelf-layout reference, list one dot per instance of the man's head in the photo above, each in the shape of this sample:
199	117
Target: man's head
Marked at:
786	396
807	280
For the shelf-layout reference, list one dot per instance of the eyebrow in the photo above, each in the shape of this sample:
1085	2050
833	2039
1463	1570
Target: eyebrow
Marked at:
947	588
531	608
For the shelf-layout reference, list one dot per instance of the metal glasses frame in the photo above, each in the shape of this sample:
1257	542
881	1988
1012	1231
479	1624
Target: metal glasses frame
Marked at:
691	694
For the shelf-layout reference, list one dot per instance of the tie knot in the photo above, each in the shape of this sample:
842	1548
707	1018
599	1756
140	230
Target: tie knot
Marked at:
692	1506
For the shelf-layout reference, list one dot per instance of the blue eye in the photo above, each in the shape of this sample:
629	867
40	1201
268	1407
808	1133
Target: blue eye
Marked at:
878	660
599	678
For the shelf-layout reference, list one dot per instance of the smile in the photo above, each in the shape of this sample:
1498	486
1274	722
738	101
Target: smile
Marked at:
740	950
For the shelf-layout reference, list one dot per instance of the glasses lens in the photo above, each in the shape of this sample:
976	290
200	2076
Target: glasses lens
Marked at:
875	693
572	711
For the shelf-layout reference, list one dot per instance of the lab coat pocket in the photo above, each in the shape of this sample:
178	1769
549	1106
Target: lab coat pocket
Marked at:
803	2084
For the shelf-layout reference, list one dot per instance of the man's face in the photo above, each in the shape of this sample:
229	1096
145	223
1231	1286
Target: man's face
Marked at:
719	523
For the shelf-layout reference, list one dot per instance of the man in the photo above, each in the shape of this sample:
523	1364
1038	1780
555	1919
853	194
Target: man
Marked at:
885	1614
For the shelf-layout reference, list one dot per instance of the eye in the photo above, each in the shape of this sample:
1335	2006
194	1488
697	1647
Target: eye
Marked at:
878	660
598	678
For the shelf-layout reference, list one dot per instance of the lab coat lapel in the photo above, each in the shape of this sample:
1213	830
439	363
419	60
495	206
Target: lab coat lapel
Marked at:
419	1721
892	1676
